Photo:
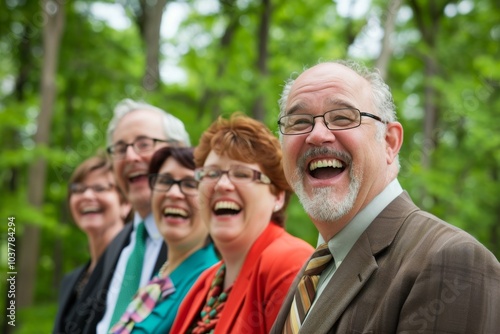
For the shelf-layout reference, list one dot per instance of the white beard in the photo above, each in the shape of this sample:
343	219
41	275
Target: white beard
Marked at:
324	204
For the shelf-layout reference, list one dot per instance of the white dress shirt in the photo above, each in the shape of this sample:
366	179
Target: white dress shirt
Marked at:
154	242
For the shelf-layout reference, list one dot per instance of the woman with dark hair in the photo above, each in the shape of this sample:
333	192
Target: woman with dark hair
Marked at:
243	197
190	250
99	209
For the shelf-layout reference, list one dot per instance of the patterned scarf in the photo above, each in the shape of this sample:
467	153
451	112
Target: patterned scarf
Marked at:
143	304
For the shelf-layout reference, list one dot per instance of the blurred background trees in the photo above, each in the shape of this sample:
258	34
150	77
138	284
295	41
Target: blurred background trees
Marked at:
65	64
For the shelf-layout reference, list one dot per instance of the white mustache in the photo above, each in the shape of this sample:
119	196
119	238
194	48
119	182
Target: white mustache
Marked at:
321	152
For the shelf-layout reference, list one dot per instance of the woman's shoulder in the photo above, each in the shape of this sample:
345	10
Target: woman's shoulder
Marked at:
201	265
286	250
287	242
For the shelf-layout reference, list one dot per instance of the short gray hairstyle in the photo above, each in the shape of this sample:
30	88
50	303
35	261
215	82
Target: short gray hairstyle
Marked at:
381	92
173	127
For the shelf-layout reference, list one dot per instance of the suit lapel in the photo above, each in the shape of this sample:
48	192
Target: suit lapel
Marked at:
162	257
110	257
347	281
287	302
358	266
69	285
354	272
114	250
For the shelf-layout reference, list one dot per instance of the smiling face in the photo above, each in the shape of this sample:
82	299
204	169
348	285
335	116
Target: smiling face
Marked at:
131	171
347	167
95	212
236	213
177	215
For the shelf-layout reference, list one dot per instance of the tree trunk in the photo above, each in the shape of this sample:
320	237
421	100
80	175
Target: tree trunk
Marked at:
53	13
262	53
152	13
389	27
430	111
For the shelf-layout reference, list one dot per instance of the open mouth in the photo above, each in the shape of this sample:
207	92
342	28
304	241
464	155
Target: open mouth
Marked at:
326	168
91	210
135	177
226	208
175	213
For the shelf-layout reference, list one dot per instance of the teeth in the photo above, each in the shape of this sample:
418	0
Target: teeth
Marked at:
227	205
325	163
175	211
90	210
135	174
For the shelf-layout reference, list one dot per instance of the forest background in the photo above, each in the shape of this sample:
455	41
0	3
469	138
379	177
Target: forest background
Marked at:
64	65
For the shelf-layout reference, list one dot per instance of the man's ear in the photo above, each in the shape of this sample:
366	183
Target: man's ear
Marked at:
393	140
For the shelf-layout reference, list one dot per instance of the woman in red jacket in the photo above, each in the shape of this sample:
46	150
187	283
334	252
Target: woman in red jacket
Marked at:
243	197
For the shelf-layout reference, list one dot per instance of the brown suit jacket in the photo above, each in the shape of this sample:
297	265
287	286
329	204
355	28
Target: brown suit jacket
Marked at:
409	272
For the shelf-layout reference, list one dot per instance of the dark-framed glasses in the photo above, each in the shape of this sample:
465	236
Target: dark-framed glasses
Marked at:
141	145
79	188
336	120
163	182
237	174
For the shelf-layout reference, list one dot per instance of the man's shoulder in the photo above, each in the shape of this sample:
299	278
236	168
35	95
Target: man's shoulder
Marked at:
119	242
422	232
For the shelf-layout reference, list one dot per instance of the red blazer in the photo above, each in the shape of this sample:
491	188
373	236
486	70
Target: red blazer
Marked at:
257	294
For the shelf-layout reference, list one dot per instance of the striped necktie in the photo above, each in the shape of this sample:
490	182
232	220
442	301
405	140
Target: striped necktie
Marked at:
306	289
132	276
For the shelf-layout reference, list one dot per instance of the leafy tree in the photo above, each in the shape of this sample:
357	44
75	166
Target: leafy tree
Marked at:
440	59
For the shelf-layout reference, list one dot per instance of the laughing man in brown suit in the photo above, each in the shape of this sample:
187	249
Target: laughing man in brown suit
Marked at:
395	268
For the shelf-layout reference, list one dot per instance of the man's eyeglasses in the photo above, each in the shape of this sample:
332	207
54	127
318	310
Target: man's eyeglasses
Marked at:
163	182
78	188
237	174
337	119
141	145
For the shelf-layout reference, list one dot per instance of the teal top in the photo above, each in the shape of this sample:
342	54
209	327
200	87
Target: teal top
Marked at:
183	277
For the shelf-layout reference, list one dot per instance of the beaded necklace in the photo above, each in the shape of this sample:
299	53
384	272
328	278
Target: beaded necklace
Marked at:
216	299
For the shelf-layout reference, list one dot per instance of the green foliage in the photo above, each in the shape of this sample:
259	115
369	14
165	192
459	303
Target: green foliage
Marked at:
217	49
37	319
299	224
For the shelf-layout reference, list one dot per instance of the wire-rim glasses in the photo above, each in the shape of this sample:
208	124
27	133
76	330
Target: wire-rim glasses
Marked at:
336	120
236	174
164	182
141	145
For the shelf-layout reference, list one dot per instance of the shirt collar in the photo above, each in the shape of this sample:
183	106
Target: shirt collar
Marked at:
150	225
343	241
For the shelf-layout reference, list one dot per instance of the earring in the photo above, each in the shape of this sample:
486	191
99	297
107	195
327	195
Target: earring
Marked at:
276	208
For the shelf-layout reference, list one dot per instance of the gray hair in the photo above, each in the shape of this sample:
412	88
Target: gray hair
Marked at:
381	92
172	126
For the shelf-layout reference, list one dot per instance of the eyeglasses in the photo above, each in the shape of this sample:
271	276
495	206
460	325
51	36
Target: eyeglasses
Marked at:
78	188
163	182
237	174
337	119
141	145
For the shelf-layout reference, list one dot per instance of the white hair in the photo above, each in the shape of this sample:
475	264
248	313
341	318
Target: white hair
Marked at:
173	127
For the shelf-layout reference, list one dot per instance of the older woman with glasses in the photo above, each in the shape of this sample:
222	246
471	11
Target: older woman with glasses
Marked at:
190	250
243	198
99	209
